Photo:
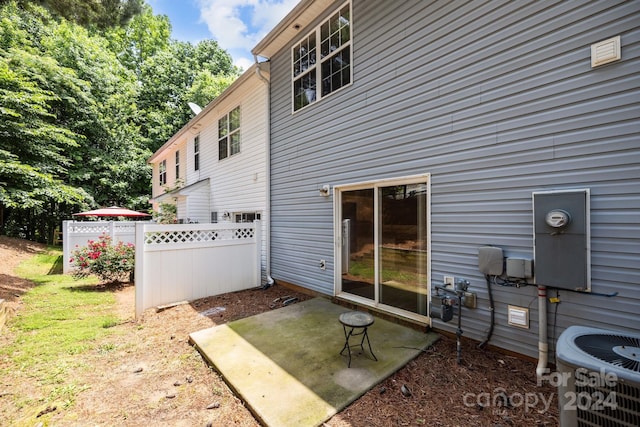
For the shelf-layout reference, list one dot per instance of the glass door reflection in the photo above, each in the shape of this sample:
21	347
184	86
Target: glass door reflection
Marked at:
384	246
402	247
358	249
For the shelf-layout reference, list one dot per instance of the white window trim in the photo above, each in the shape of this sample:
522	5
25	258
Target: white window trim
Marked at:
162	172
229	133
337	227
319	61
177	159
196	153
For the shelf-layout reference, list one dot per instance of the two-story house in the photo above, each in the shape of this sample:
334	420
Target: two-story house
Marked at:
418	143
215	168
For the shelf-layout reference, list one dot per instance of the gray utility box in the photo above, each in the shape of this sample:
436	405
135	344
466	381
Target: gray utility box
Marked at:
562	248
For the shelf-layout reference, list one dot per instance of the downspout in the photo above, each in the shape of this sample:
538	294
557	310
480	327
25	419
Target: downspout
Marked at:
543	343
267	226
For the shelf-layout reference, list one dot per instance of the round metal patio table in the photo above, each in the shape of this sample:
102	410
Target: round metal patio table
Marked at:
356	323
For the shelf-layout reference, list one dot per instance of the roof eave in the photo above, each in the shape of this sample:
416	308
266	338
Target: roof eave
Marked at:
194	122
289	27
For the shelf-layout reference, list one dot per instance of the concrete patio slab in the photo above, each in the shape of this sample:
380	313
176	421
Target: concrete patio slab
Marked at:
285	364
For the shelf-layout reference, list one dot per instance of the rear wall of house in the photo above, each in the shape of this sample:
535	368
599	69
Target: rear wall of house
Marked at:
238	182
496	100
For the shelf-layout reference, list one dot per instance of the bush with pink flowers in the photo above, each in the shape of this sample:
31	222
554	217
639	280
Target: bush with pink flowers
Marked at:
101	258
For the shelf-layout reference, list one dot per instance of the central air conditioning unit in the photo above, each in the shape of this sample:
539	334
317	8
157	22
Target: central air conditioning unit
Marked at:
598	378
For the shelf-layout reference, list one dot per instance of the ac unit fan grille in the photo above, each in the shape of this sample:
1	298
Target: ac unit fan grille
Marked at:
603	378
617	406
603	347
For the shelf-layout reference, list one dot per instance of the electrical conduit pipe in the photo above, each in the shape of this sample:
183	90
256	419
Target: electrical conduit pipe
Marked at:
543	343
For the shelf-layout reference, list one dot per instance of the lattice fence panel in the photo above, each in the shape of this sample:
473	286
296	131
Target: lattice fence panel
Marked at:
125	228
244	233
89	228
154	238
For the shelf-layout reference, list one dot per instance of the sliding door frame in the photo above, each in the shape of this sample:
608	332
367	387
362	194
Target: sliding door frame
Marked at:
338	244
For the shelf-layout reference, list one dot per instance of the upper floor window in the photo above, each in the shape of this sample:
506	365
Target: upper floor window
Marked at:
229	134
163	172
177	165
196	153
322	60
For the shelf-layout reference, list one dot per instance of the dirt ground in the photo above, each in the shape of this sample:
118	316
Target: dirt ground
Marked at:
149	374
12	253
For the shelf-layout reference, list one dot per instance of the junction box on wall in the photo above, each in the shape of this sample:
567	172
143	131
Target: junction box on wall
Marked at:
562	259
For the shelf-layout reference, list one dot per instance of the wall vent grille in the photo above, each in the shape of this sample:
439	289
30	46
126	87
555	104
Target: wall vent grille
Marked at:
605	52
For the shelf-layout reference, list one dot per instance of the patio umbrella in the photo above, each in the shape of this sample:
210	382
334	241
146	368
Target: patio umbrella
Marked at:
112	211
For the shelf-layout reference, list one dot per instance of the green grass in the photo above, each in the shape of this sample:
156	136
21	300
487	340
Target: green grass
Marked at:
60	319
365	271
61	316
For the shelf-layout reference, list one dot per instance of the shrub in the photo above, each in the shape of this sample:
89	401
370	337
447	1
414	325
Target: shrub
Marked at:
167	214
111	263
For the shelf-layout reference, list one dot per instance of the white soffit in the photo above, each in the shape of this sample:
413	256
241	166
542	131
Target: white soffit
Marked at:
291	26
605	51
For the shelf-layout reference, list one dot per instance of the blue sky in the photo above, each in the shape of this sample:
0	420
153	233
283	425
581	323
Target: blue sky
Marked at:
237	25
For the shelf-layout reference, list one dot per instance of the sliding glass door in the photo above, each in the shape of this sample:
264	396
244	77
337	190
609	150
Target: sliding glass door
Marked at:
384	250
358	245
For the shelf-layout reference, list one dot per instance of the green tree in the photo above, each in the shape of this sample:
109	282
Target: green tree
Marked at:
207	86
33	160
169	79
110	162
144	36
83	107
93	13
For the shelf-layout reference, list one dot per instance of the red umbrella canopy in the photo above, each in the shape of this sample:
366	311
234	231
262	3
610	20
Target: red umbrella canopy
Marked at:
112	211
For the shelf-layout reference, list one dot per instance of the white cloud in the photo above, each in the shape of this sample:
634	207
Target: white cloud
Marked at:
241	24
242	62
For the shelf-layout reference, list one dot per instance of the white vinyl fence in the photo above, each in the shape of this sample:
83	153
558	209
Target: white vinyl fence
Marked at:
183	262
76	234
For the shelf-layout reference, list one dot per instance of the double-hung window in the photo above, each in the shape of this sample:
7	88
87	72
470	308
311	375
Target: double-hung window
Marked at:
163	172
229	134
321	62
196	153
177	164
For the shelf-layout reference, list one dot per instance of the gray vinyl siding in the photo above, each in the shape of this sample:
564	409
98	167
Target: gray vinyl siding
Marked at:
495	100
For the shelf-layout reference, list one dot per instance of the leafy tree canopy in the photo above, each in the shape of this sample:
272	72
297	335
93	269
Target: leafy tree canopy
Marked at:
93	13
88	90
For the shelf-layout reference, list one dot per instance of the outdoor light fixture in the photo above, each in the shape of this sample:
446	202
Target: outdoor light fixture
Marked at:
324	190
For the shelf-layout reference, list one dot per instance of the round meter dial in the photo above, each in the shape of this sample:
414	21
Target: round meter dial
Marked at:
557	218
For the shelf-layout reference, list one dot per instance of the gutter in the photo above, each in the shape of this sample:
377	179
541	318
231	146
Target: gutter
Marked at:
270	280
